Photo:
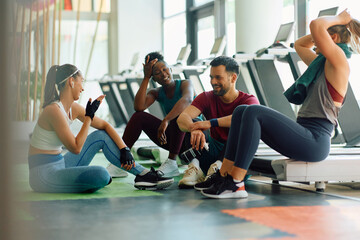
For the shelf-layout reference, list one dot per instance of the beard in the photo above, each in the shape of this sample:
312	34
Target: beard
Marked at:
220	92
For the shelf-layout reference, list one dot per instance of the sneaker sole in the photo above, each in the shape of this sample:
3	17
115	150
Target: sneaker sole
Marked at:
171	174
183	186
240	194
188	184
145	186
200	189
164	184
119	175
154	186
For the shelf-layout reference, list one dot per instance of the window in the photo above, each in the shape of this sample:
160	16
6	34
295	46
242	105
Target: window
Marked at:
205	36
87	5
70	52
201	2
288	11
174	37
288	16
174	29
172	7
230	28
78	53
99	60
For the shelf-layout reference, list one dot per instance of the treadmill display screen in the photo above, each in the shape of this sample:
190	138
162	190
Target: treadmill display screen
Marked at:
284	32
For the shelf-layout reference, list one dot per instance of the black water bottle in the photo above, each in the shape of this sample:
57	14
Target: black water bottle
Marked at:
188	155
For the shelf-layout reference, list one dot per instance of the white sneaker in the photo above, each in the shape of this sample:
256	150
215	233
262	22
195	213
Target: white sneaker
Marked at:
192	176
169	168
213	168
116	172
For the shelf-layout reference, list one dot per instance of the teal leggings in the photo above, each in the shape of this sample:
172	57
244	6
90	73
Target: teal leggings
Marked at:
71	173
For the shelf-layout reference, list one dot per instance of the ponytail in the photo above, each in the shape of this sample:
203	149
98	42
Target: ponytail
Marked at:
51	94
354	27
56	80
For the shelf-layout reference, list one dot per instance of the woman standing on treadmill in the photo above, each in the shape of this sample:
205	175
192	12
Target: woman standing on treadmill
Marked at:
320	90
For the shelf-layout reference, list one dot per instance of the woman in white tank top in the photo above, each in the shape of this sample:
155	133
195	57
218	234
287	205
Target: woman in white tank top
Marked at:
50	171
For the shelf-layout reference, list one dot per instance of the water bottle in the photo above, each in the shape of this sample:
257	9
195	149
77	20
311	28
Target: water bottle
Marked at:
188	155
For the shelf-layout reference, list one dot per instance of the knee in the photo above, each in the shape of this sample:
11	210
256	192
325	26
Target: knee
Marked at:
139	116
251	111
238	111
95	177
173	124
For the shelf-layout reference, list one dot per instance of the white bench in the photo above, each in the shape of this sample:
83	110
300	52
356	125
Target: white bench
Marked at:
340	168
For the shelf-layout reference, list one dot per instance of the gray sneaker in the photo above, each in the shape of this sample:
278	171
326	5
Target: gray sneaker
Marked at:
169	168
116	172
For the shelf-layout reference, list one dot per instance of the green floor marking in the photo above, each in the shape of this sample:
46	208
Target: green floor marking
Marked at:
119	188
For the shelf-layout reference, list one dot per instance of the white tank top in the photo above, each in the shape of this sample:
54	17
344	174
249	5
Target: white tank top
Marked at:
48	140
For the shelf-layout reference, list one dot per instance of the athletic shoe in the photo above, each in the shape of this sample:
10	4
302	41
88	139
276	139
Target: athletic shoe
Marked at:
153	180
192	175
116	172
225	187
213	168
169	168
209	181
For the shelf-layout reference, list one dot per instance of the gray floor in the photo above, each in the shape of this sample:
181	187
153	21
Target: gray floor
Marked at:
119	211
174	214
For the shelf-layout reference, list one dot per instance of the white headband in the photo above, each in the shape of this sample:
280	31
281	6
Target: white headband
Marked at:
68	77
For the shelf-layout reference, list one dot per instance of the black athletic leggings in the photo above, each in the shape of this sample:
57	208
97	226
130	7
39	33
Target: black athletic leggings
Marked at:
308	139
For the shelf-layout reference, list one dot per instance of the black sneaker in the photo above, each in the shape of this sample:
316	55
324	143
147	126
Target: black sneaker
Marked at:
153	180
226	188
209	182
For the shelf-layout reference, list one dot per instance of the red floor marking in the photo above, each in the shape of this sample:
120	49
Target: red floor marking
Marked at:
306	222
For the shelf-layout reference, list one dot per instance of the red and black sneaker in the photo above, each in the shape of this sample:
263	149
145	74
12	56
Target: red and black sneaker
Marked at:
209	182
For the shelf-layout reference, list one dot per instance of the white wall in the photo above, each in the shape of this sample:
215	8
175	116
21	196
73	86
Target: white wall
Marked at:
140	29
257	23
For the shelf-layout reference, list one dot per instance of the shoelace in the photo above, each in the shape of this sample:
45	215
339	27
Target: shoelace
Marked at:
212	176
215	169
190	170
156	173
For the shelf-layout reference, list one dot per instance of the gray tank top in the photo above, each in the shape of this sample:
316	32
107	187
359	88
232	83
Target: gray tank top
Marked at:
318	103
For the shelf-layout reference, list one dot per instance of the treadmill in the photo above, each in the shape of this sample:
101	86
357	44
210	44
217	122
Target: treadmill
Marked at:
123	96
133	86
115	109
197	73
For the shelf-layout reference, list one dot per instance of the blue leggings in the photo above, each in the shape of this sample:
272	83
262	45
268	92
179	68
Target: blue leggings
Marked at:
71	173
308	139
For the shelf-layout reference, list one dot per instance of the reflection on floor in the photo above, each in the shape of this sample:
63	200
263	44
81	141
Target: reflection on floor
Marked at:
119	211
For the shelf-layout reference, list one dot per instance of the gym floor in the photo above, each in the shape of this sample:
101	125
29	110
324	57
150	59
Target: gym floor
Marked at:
119	211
